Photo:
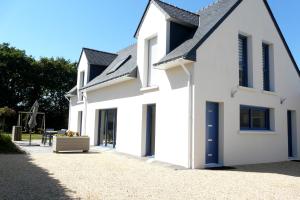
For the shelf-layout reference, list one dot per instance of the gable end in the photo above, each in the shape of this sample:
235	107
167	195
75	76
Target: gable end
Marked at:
191	55
281	36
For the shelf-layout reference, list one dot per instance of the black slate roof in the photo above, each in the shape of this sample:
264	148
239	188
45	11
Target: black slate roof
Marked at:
210	19
96	57
179	14
127	68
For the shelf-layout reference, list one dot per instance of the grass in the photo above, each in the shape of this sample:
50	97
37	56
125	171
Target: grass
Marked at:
25	137
7	146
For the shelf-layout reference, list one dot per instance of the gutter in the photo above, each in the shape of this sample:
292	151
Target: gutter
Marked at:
190	115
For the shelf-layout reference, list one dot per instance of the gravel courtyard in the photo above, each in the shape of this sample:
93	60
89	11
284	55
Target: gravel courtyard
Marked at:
108	175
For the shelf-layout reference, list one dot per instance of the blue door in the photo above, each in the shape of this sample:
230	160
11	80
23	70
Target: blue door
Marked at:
212	133
150	130
290	137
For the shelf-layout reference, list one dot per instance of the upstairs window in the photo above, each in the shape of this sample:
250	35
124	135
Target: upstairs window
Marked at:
243	61
266	66
81	79
254	118
152	58
81	84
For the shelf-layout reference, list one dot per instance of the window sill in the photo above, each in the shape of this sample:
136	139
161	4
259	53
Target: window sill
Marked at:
80	102
269	92
257	132
149	89
249	89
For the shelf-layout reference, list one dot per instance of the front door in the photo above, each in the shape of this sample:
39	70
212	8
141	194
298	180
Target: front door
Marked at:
290	134
150	131
212	133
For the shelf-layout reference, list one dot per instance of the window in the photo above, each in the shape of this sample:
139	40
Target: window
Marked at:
266	66
152	58
81	79
243	61
81	84
254	118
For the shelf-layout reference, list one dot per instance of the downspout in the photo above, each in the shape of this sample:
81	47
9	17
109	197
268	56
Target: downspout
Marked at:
69	117
190	115
85	111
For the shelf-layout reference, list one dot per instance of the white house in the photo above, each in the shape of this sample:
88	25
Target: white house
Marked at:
216	87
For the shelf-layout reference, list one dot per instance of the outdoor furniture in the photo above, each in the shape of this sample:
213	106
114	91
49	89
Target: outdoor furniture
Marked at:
62	131
65	143
48	135
17	133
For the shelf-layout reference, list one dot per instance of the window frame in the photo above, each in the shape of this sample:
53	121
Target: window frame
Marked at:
243	66
250	118
81	79
149	67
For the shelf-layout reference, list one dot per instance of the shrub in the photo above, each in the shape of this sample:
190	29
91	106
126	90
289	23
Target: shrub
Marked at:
7	146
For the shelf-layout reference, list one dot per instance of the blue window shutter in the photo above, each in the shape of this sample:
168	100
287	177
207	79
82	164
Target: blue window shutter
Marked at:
266	67
243	61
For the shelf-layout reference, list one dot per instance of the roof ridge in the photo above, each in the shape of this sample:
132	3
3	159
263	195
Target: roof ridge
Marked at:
98	51
177	7
123	49
209	6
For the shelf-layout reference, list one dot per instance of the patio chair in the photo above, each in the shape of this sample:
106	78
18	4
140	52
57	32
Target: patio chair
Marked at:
46	136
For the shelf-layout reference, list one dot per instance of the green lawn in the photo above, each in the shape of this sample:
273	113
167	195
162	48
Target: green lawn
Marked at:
25	137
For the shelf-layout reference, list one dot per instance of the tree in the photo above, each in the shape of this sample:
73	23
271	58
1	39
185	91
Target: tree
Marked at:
16	76
5	113
59	75
23	80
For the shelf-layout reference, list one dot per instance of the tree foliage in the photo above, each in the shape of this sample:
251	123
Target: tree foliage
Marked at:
24	79
5	113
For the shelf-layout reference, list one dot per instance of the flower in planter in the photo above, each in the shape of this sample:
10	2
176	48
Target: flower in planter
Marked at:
72	134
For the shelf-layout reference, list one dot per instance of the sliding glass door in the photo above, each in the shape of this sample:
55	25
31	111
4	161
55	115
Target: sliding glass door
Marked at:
107	127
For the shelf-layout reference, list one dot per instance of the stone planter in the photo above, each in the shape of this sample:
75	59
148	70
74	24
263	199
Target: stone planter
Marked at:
64	143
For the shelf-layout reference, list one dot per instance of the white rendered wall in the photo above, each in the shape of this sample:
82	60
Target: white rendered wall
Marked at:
73	113
216	75
154	25
83	66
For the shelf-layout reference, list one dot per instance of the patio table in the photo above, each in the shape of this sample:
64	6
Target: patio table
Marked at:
49	133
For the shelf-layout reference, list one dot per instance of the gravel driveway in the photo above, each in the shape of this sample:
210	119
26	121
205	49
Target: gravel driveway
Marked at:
108	175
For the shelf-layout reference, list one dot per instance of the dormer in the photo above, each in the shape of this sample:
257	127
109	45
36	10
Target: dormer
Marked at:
163	27
91	64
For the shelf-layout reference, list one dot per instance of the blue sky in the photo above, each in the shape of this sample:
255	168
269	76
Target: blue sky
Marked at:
55	28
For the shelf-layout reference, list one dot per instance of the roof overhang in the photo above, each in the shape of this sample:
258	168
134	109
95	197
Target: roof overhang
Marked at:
72	92
173	63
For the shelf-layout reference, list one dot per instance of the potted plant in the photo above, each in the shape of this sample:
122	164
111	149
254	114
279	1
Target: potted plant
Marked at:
71	141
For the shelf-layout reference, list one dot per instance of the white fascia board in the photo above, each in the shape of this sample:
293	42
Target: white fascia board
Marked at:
174	63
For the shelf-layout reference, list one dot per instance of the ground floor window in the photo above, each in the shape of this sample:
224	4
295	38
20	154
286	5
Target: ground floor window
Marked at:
254	118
